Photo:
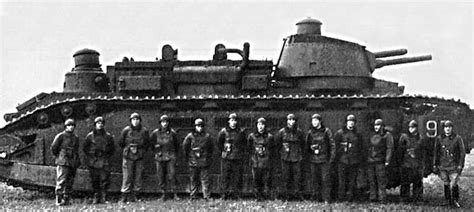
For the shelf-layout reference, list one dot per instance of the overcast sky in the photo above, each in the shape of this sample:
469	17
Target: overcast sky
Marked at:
38	38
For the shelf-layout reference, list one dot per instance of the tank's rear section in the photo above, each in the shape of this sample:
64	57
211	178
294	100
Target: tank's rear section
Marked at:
314	74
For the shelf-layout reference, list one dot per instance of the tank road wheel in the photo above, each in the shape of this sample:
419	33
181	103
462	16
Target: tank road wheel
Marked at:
91	109
42	118
66	111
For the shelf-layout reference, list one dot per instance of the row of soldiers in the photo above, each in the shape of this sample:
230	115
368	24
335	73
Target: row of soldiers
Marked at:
346	149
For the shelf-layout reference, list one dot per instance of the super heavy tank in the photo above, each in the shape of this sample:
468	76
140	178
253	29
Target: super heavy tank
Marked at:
314	74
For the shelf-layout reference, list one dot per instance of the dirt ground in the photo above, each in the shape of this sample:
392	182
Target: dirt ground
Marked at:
19	199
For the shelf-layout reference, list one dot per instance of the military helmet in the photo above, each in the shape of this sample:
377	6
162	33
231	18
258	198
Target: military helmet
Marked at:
378	122
99	119
233	116
69	122
448	123
135	115
412	124
291	116
198	122
164	118
316	116
351	117
262	120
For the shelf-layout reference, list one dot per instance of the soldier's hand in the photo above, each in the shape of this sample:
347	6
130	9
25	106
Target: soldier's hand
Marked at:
459	169
386	163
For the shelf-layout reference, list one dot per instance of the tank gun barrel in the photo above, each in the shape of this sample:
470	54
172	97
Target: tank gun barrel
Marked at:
382	63
389	53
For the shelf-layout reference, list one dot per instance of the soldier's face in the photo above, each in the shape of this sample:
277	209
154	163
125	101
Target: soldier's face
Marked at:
99	125
232	123
290	123
316	123
260	127
350	125
412	129
70	128
199	128
135	122
164	124
448	130
377	128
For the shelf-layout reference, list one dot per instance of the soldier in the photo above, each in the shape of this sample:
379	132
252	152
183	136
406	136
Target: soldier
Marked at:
412	147
448	160
349	156
262	149
165	146
322	151
291	146
198	149
380	148
232	145
134	142
65	148
98	149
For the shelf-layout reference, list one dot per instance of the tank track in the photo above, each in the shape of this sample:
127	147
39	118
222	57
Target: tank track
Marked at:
122	98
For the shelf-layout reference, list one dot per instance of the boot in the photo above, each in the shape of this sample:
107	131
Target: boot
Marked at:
447	195
59	200
299	197
96	198
455	197
133	197
66	200
124	198
103	197
175	197
225	196
163	197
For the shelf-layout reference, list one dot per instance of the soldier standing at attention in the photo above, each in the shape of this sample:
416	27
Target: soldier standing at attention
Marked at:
232	145
449	154
165	146
65	148
134	142
412	147
349	156
380	148
262	149
98	149
322	152
291	142
198	149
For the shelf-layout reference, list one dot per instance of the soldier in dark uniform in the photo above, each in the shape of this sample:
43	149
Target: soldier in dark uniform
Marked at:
449	154
232	144
165	147
98	149
262	153
65	148
198	149
291	146
349	154
380	148
413	152
134	142
322	151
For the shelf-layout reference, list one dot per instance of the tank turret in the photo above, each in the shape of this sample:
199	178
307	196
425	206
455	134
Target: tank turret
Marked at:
320	64
86	76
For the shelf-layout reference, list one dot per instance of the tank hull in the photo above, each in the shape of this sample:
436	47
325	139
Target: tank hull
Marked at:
31	163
